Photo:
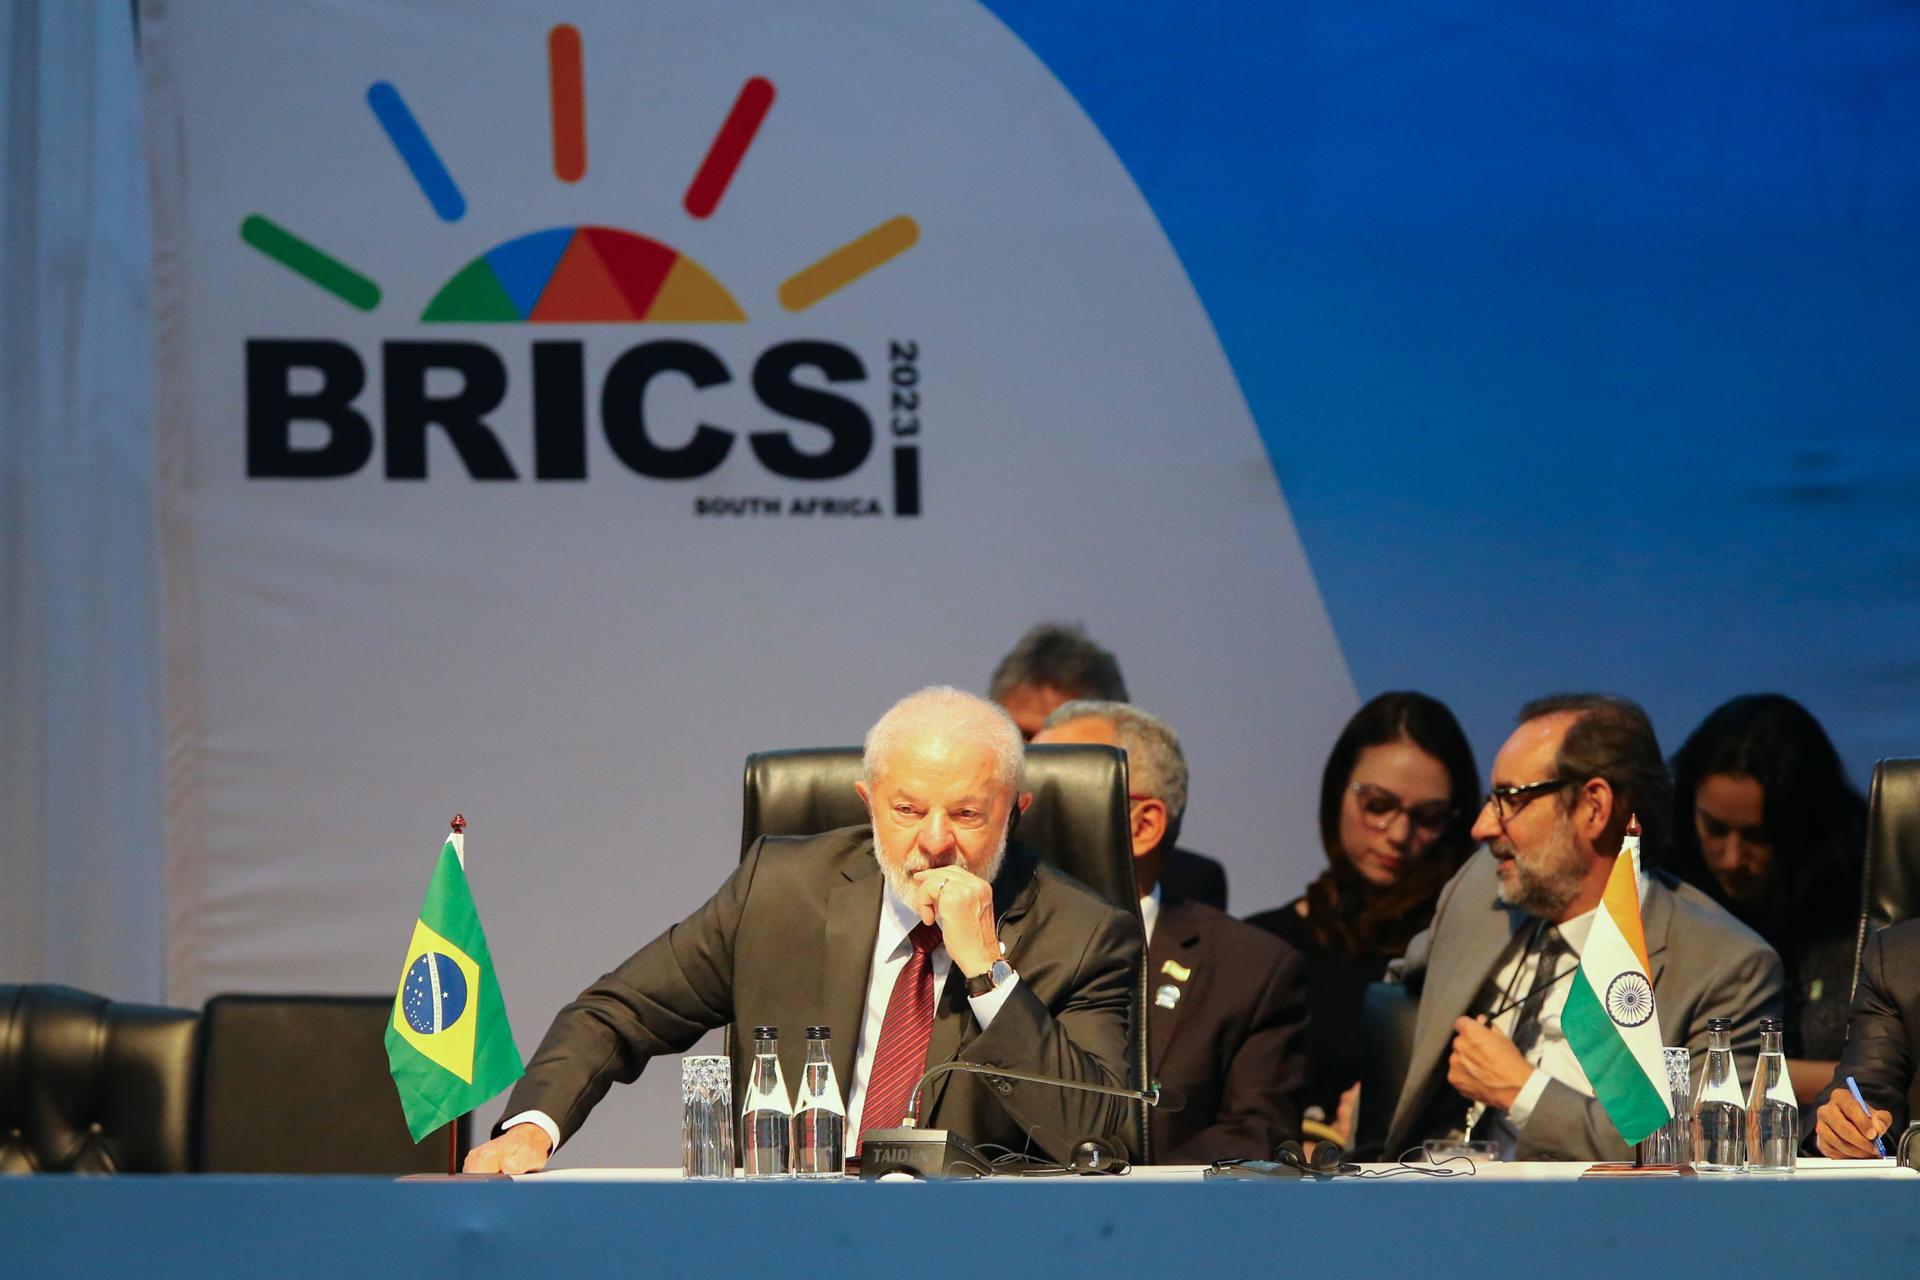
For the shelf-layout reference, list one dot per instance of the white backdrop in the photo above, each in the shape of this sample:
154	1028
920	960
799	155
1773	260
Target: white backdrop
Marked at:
580	666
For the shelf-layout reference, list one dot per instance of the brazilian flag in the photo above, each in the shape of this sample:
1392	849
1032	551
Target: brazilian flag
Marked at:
449	1045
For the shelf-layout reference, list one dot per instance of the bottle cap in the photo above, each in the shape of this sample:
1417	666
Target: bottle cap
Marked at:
766	1033
1719	1024
819	1033
1771	1024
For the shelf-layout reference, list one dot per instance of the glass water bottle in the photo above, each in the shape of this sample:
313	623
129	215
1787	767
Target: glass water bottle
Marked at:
1773	1113
1719	1116
766	1112
820	1116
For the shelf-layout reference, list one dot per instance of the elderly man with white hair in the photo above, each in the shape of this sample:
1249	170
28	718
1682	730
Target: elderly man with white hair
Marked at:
923	938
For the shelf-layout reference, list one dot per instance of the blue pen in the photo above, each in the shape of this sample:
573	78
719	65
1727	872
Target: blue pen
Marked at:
1867	1111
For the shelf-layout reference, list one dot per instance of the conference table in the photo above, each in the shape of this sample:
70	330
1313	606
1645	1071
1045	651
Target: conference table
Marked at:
1498	1220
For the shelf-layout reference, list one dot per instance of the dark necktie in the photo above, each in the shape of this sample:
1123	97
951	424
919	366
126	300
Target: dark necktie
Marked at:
1546	969
900	1059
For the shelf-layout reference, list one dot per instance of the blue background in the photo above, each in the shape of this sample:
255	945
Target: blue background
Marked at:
1582	338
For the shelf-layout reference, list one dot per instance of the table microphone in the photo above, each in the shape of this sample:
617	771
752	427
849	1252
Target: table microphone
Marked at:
927	1153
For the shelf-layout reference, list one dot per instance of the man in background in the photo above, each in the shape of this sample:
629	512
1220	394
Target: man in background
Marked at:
1227	1010
1056	662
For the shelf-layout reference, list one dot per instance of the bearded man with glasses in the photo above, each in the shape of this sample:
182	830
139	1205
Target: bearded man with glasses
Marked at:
1489	1059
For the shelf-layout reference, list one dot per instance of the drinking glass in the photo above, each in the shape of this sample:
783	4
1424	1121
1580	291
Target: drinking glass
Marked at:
1671	1142
706	1116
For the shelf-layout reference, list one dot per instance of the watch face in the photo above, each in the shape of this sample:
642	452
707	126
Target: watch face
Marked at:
1001	971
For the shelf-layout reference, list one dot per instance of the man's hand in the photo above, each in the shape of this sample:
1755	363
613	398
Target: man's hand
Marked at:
961	903
521	1149
1484	1066
1843	1131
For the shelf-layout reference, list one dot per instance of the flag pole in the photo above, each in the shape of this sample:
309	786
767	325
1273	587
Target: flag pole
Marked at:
459	825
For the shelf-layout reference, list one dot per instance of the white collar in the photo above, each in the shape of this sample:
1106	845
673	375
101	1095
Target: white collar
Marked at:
897	920
1150	911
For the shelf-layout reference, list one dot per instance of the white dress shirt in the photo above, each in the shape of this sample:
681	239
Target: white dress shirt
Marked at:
891	949
1150	912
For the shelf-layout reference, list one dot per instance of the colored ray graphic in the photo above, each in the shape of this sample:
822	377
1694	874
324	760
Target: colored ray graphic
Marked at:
581	274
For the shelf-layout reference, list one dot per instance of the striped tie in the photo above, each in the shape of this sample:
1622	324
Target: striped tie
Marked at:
901	1057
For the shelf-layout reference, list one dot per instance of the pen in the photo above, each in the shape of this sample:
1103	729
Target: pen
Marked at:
1853	1088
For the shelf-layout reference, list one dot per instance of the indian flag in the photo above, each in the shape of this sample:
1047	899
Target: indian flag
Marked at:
1609	1020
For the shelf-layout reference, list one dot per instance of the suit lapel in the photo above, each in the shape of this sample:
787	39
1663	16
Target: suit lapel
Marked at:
1172	960
1656	918
1448	993
853	922
953	1024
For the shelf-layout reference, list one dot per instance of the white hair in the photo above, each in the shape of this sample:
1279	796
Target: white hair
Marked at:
942	713
1155	764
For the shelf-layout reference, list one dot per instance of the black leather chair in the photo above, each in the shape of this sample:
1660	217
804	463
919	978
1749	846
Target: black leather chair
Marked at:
91	1085
1890	880
1077	823
1387	1013
299	1084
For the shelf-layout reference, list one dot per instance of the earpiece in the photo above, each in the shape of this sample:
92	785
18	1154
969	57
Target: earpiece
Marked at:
1091	1155
1327	1158
1325	1162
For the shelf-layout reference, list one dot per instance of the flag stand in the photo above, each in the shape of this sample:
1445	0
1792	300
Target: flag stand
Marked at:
459	825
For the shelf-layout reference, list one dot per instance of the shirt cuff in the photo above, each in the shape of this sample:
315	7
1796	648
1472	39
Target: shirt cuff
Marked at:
540	1118
985	1007
1528	1098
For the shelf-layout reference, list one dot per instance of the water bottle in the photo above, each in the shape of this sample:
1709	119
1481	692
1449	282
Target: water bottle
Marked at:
766	1112
1773	1113
1719	1118
820	1117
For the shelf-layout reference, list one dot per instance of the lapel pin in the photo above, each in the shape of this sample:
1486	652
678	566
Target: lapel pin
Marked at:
1177	971
1167	997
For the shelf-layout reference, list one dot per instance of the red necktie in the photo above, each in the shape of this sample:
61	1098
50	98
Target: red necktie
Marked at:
901	1058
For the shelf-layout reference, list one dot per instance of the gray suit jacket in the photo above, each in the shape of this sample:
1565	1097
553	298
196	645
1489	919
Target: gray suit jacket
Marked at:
788	942
1706	964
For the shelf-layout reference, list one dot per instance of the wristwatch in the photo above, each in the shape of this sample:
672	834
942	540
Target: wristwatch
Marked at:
993	979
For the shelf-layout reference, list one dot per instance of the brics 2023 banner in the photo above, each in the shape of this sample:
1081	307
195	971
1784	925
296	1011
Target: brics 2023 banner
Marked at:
557	406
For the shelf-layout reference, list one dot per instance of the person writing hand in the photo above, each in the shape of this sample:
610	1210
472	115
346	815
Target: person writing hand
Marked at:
961	903
1484	1065
521	1149
1845	1131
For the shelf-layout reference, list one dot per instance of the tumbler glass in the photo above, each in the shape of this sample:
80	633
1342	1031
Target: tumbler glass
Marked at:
1672	1143
706	1116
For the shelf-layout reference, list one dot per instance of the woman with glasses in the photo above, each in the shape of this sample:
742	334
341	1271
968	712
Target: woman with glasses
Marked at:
1767	823
1397	799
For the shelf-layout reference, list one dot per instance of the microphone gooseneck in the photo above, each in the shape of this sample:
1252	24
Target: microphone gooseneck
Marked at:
1149	1096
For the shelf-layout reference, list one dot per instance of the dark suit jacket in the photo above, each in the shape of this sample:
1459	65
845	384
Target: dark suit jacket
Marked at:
1233	1043
1705	965
1193	877
1883	1031
788	942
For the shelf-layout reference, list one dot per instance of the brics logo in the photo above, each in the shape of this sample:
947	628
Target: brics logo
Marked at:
567	276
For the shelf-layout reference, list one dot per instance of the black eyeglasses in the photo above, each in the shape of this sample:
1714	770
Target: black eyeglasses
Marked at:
1379	807
1508	801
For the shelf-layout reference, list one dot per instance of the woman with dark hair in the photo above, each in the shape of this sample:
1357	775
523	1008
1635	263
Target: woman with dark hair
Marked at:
1766	822
1397	801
